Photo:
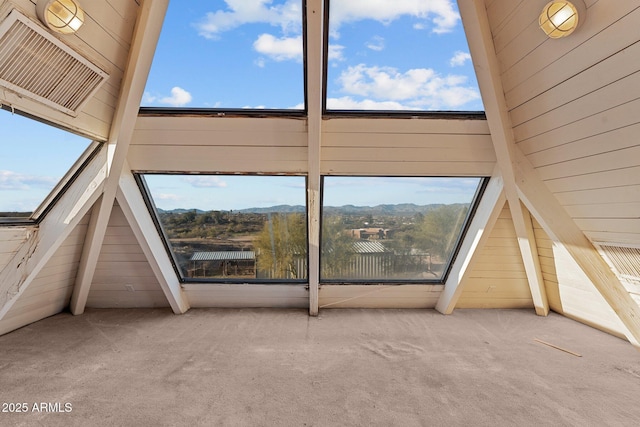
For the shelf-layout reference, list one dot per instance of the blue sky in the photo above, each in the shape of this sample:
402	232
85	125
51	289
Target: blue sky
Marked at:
225	192
390	55
371	191
233	192
399	55
33	158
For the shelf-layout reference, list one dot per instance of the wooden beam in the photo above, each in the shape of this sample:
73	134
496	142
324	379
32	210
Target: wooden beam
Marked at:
476	23
486	215
315	51
44	241
148	26
139	218
557	223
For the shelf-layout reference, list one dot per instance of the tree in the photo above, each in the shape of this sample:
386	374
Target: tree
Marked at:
281	244
402	245
337	248
441	227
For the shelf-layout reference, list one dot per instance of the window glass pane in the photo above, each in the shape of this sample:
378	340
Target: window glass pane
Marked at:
229	54
222	227
34	157
386	229
409	55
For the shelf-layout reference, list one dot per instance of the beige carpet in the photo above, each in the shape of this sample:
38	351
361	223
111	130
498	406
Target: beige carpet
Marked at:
263	367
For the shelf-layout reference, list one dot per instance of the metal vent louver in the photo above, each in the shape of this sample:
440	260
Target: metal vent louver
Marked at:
625	260
38	66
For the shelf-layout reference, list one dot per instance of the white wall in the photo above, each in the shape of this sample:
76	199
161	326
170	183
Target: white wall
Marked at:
498	278
574	107
50	291
123	276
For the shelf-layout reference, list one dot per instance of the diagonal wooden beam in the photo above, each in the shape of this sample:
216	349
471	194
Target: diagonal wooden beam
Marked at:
315	82
486	215
557	223
56	226
478	31
146	34
139	218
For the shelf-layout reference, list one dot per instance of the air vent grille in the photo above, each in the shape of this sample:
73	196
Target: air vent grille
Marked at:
36	65
626	260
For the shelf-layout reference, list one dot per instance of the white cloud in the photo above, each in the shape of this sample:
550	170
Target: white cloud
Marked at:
439	15
148	99
442	13
376	43
420	88
449	185
336	53
279	49
167	196
205	181
459	59
10	180
179	97
348	103
240	12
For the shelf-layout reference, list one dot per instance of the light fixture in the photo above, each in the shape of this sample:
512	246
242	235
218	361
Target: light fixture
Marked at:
62	16
559	18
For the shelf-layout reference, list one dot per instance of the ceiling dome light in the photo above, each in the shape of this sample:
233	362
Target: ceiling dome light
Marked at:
62	16
559	18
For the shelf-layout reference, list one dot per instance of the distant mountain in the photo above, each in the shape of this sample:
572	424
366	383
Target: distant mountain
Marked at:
399	209
388	209
180	211
276	209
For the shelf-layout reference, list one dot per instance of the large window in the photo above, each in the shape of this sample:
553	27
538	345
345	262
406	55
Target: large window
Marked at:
386	229
36	162
217	54
409	55
232	228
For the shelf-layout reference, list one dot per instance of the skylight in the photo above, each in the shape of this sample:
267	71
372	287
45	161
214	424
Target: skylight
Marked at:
33	159
407	55
229	54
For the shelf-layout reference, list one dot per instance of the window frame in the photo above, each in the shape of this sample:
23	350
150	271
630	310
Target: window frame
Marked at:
152	208
473	206
244	112
345	113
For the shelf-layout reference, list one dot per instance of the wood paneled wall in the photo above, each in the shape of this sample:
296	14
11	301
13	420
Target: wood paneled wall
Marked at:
406	147
416	147
580	299
569	290
219	144
246	295
50	291
11	238
548	267
379	296
123	276
498	278
574	106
